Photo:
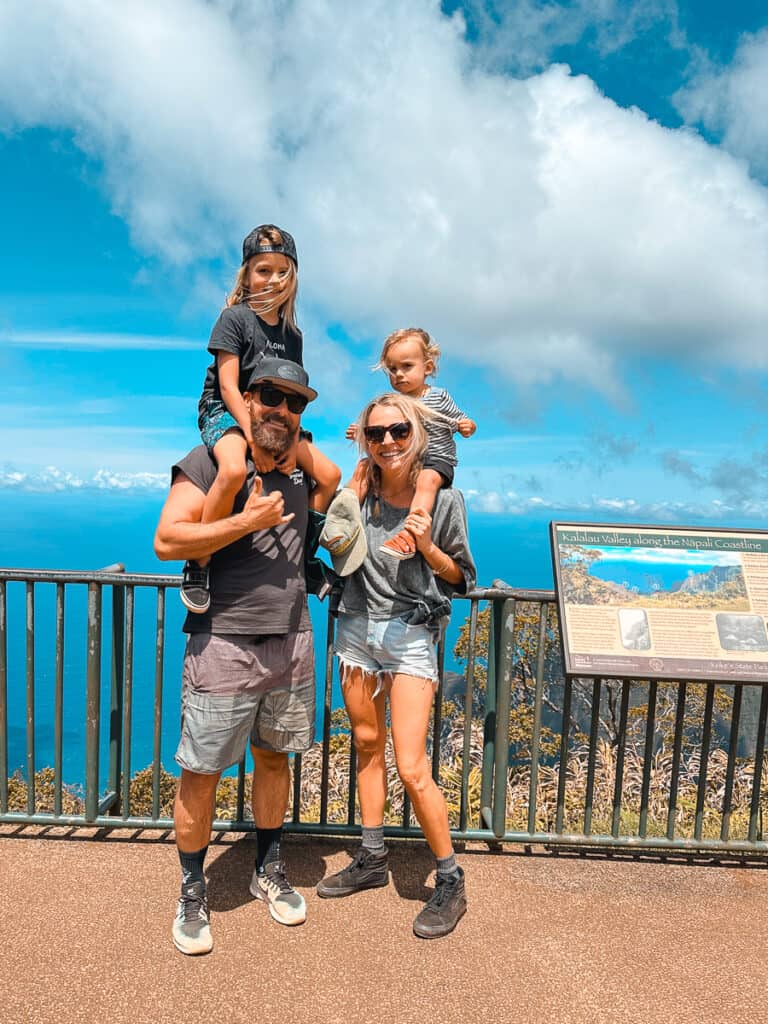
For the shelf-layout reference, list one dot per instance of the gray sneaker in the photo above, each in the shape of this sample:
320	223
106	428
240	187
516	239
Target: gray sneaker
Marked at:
444	909
367	871
195	589
191	928
285	904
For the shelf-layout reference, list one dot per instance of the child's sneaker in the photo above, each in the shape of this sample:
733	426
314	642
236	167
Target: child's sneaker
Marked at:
195	588
397	546
285	904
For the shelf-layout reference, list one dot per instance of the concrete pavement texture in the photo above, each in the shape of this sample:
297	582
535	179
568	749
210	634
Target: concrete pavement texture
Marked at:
85	935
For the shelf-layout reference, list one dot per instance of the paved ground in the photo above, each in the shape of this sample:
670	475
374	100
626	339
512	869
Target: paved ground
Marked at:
85	936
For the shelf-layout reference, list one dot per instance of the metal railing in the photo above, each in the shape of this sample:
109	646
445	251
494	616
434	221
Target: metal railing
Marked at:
525	755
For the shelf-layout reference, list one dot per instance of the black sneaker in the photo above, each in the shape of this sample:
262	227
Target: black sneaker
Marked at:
191	927
195	590
444	909
367	871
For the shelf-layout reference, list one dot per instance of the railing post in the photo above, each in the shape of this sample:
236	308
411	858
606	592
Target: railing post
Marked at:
503	704
30	636
157	736
489	719
125	773
469	686
93	702
58	703
3	700
757	777
538	700
116	696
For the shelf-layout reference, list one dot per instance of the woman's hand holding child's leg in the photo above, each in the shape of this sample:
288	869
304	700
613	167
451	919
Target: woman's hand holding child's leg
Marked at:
403	544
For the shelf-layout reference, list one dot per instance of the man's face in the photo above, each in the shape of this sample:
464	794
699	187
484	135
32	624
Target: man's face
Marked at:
274	427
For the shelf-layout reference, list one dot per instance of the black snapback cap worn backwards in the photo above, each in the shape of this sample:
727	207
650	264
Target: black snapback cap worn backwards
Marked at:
252	245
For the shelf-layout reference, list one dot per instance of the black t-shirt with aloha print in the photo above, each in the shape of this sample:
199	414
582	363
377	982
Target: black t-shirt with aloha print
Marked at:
240	331
257	582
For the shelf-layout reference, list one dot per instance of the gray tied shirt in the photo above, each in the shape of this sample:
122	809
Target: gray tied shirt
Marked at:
384	587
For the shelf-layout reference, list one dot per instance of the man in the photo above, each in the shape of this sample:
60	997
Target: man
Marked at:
249	664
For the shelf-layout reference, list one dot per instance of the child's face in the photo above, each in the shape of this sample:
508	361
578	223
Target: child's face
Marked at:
407	368
269	273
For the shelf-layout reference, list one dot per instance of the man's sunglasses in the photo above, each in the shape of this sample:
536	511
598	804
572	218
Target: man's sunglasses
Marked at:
271	396
397	431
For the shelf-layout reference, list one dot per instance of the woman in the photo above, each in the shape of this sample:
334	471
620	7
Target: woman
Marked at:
390	617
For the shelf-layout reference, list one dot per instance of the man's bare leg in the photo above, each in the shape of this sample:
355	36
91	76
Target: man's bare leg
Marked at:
192	820
271	787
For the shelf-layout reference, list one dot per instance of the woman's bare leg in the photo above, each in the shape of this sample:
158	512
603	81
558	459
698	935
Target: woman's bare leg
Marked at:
369	732
410	703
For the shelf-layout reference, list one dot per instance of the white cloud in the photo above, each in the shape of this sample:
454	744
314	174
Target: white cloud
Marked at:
536	228
92	340
54	479
732	101
483	499
611	509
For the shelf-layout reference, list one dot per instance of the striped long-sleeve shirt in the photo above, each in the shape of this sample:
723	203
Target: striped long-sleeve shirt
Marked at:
441	443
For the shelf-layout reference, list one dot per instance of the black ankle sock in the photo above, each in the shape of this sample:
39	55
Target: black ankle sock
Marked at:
267	846
192	866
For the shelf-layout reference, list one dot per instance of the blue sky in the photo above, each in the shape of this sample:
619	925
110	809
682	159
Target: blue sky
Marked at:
572	197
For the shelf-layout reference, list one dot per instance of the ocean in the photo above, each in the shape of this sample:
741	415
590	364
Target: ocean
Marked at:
644	579
88	531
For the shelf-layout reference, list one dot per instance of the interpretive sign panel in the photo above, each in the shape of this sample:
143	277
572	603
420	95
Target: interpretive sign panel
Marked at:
650	602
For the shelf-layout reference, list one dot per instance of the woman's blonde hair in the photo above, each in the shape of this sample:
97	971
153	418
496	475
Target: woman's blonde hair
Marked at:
410	409
429	348
268	235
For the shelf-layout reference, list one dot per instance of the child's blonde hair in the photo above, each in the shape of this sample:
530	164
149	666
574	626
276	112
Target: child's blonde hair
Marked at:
429	347
269	235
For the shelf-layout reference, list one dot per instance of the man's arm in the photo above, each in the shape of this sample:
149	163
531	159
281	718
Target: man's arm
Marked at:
181	535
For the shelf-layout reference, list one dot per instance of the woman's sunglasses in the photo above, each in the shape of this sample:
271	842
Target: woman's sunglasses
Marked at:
271	396
397	431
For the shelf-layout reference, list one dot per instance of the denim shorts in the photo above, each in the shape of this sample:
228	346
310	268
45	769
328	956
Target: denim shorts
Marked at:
214	422
237	689
385	648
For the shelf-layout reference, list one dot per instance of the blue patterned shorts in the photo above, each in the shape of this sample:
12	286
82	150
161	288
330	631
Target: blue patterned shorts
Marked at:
385	649
214	422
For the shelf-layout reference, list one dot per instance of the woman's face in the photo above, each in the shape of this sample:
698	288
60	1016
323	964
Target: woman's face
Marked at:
391	454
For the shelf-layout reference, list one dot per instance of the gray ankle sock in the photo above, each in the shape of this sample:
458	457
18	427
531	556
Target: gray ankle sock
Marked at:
373	839
447	865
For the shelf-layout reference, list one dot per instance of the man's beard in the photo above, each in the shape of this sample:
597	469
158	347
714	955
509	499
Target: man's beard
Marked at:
271	439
